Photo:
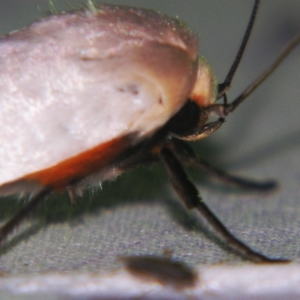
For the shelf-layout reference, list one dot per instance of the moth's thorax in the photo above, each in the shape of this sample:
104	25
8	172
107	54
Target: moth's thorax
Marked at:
205	88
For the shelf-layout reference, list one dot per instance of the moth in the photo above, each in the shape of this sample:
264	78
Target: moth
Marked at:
90	94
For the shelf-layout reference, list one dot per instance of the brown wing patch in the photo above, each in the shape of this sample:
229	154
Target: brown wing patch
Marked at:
81	165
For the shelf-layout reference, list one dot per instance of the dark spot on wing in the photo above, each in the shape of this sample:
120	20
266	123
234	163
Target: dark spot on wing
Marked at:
131	88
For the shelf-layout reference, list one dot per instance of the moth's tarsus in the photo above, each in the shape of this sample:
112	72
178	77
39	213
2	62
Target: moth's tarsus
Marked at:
188	193
189	158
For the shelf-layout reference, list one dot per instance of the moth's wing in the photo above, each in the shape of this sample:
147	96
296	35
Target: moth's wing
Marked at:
74	95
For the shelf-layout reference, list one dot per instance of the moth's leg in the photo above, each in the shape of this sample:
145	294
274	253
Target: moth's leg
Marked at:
189	158
140	158
11	225
130	162
190	196
202	131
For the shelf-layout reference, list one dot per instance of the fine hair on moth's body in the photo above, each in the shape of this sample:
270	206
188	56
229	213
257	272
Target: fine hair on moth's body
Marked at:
159	96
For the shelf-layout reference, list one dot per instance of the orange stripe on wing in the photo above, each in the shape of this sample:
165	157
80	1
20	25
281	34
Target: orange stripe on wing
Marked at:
81	165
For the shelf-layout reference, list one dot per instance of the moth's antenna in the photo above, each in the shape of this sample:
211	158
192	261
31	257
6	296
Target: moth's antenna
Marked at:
224	87
232	106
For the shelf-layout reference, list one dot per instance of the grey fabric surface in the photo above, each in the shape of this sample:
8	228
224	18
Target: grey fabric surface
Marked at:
139	213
